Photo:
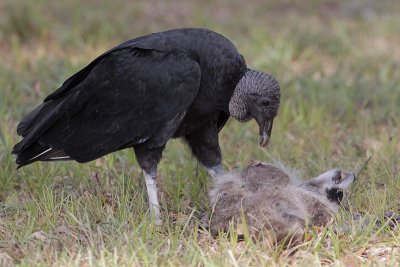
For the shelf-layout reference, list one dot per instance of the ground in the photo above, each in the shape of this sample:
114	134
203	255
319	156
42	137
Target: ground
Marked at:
338	65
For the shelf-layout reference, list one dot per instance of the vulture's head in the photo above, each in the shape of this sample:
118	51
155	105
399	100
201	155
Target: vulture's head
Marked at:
257	96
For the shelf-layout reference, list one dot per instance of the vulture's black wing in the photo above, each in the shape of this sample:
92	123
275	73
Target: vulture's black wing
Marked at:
127	96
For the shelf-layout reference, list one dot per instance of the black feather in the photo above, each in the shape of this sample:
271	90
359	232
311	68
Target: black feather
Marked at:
37	152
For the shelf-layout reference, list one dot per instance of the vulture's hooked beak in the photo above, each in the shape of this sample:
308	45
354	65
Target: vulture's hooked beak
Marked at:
265	130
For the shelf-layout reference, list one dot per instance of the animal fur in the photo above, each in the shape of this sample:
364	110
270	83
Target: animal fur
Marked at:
273	199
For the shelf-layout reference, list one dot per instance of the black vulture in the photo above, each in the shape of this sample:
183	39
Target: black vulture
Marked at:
139	94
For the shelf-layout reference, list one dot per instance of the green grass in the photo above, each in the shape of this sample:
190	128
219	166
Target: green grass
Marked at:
338	66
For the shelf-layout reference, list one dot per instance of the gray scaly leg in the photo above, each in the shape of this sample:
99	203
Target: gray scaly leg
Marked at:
151	185
215	171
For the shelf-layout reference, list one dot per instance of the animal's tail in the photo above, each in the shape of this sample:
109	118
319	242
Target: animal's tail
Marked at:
38	152
34	125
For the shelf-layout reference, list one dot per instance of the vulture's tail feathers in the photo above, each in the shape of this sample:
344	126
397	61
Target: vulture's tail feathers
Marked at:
34	125
37	152
42	117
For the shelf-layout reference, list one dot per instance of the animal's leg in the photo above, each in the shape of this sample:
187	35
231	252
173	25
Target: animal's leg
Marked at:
205	147
148	160
151	185
215	171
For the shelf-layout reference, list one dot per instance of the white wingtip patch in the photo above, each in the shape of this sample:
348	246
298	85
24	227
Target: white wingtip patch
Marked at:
64	157
40	154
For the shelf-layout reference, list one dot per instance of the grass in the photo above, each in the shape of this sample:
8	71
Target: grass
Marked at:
338	66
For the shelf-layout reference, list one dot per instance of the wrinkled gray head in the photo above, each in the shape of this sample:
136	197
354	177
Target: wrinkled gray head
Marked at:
331	184
257	95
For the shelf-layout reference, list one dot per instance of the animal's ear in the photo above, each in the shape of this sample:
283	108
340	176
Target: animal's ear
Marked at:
334	178
328	177
347	178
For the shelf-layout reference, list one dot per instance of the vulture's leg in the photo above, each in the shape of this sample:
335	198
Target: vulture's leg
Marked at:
205	146
148	160
151	185
215	171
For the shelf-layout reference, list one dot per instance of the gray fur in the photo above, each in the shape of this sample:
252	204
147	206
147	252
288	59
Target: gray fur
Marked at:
252	86
273	199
